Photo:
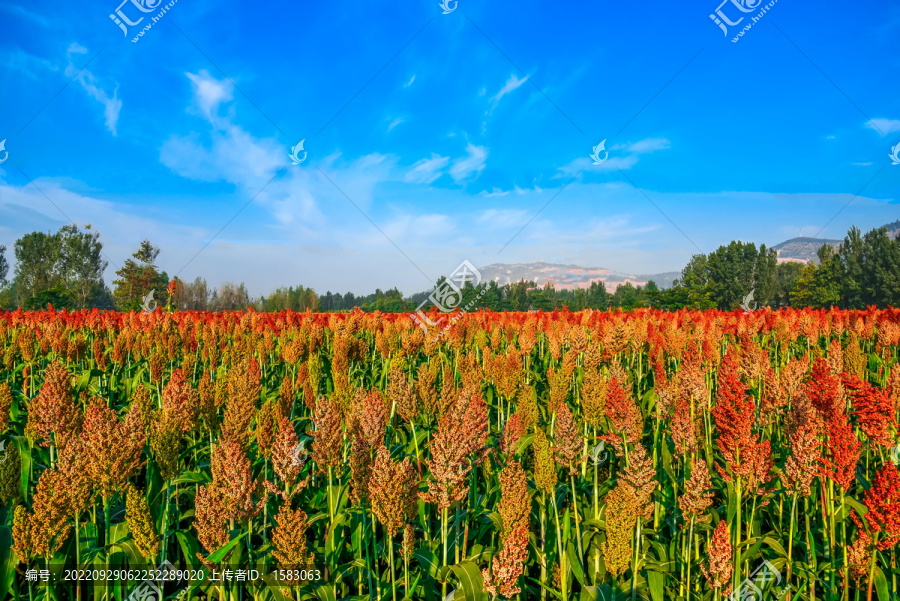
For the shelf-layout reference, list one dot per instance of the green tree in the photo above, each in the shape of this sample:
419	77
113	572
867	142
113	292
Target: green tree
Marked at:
137	277
81	263
37	264
4	265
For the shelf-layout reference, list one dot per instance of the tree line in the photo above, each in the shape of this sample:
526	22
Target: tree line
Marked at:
65	269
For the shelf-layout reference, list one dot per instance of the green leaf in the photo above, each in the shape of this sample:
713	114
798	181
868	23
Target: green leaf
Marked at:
191	478
8	560
220	553
881	585
657	581
575	562
469	576
428	560
325	593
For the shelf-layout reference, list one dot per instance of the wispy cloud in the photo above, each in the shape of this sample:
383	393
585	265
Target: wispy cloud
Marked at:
426	171
209	92
111	105
395	123
511	85
884	126
410	82
18	11
471	165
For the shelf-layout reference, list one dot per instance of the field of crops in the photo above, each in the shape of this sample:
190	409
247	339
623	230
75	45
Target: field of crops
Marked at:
591	455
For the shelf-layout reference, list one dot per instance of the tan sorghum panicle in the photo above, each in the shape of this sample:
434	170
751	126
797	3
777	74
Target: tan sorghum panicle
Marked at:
209	411
180	401
568	440
6	399
513	432
402	394
112	448
559	382
48	524
211	517
526	405
328	436
288	457
893	386
10	476
267	419
859	554
508	565
426	388
639	477
698	495
545	476
165	445
140	522
244	387
233	477
835	358
142	403
286	396
803	432
718	568
515	499
462	433
409	542
53	411
855	361
21	532
360	470
620	525
593	398
74	472
392	489
289	540
369	416
157	366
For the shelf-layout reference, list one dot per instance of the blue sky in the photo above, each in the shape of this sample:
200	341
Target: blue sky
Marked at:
434	138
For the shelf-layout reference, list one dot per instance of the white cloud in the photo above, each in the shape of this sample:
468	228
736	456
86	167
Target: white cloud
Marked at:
503	217
210	92
511	85
426	171
111	105
410	82
395	123
26	14
649	145
28	64
494	192
884	126
473	164
861	164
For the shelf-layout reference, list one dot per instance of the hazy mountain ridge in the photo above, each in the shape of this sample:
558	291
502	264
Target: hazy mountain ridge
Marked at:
568	277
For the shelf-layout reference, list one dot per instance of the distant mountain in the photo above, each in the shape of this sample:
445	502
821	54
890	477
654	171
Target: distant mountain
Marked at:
802	249
805	249
569	277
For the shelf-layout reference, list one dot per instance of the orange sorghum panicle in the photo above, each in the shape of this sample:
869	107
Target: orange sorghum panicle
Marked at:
718	567
392	489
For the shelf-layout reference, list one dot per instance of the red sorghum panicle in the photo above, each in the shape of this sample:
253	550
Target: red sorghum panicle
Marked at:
508	566
180	401
53	412
873	410
883	503
112	448
843	450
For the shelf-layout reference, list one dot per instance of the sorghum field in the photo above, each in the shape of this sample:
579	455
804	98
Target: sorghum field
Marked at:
528	456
